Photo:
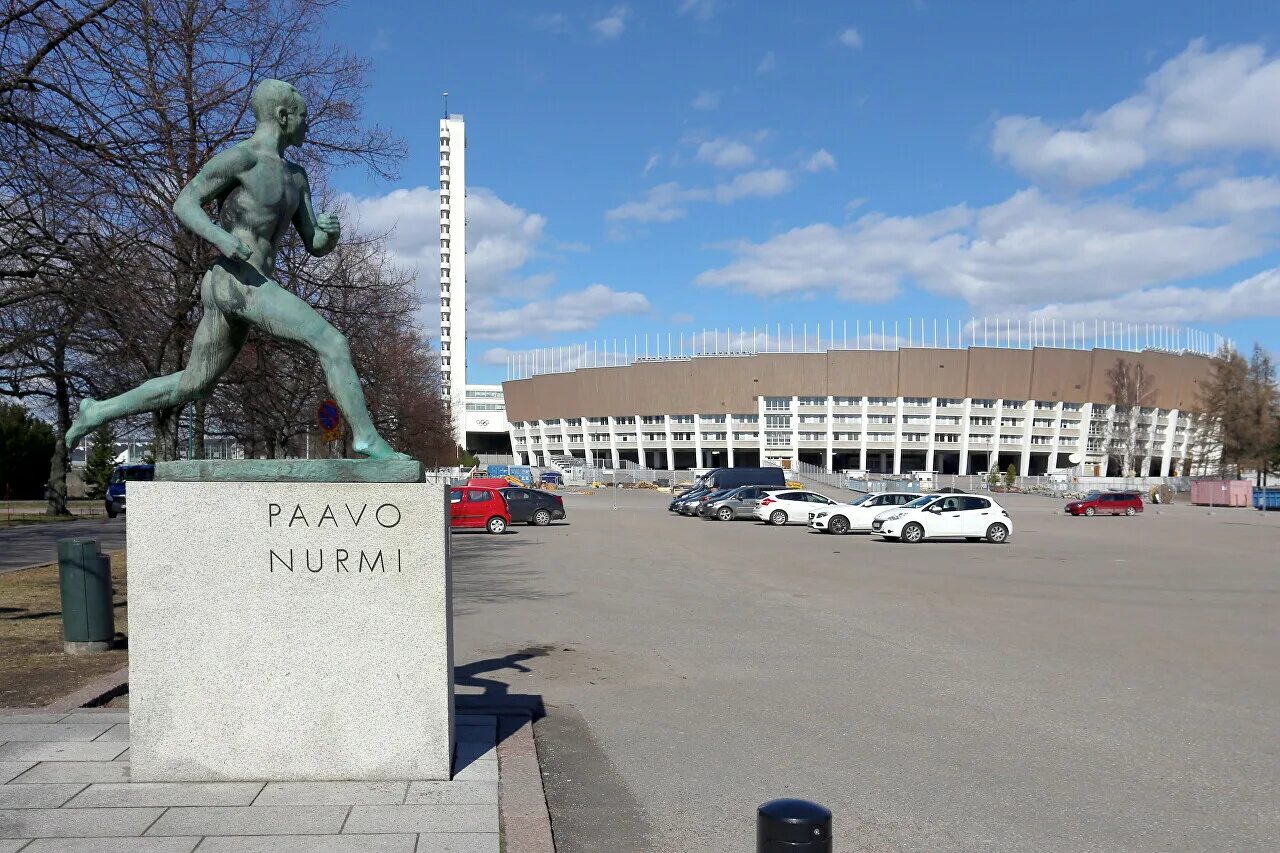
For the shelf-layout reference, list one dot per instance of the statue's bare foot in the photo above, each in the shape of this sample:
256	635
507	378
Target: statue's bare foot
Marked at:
84	422
377	449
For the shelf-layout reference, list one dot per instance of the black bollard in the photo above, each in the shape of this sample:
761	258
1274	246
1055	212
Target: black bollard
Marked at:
793	826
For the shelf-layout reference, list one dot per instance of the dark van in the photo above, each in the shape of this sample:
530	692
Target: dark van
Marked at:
731	478
115	496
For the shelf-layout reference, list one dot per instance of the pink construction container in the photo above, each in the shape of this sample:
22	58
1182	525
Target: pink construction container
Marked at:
1221	493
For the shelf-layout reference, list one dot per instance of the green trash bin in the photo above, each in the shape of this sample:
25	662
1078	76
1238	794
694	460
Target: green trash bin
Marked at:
88	618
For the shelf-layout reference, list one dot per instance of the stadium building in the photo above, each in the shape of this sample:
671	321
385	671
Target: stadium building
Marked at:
1038	401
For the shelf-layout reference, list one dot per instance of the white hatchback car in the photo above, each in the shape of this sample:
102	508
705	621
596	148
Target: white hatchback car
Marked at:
789	506
856	515
970	517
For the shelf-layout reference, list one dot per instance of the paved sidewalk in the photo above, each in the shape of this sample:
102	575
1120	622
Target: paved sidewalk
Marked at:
64	788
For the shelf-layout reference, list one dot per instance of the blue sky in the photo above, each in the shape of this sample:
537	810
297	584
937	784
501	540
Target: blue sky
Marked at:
685	164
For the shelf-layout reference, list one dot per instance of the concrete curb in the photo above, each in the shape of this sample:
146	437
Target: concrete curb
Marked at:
526	823
97	692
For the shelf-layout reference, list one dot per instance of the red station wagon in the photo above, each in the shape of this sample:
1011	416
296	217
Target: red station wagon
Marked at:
1107	503
478	507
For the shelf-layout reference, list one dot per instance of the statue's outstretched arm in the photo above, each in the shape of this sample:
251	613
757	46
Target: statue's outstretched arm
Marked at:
218	177
319	233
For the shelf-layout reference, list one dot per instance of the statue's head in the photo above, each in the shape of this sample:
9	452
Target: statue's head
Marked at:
277	103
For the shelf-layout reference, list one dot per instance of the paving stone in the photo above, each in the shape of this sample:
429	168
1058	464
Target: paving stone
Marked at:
112	845
10	845
476	734
19	732
40	717
331	793
477	771
458	842
75	823
36	796
434	818
250	820
85	715
454	793
468	752
118	732
167	794
53	751
124	756
401	843
12	769
85	772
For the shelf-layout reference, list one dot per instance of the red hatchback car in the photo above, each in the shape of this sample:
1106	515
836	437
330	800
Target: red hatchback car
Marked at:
1107	503
477	507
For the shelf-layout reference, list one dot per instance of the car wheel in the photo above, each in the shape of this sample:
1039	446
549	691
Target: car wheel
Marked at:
1129	510
497	524
778	517
1089	511
997	533
724	513
542	518
838	525
912	533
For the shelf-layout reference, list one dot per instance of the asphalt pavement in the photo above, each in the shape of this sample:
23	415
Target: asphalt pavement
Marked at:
1095	684
36	544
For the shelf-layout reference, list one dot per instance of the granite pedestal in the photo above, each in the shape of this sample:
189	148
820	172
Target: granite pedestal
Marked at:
289	631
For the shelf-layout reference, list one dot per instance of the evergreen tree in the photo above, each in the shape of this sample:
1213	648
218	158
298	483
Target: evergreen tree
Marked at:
100	462
1011	475
26	446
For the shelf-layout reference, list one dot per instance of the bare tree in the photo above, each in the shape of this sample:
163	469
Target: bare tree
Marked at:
1132	388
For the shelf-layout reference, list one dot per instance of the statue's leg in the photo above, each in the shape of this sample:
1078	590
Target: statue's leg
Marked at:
284	315
217	341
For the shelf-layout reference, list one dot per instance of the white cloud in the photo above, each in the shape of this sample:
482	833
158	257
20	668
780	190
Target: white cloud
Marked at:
1018	254
568	312
767	64
1257	296
819	160
663	203
1201	101
654	160
762	183
501	238
706	100
851	38
726	153
701	9
1235	196
612	24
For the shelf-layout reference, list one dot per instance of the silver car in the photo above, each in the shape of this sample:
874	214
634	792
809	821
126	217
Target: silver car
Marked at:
738	503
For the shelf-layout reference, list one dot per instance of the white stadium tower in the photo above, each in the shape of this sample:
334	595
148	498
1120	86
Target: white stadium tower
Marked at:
479	415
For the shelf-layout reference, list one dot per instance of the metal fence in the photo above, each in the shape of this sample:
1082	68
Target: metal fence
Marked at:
865	334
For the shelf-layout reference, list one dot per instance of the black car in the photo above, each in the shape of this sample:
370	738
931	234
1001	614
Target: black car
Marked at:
533	506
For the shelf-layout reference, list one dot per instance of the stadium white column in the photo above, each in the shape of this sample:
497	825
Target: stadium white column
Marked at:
795	432
862	431
897	435
831	438
1171	428
1028	423
640	451
965	428
671	451
1055	446
933	428
613	442
697	441
728	438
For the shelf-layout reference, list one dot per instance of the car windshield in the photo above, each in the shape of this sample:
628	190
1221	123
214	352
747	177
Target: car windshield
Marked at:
923	500
1093	496
860	501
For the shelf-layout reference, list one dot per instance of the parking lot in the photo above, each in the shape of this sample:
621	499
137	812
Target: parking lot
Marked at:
1095	683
